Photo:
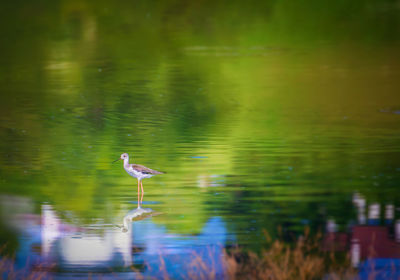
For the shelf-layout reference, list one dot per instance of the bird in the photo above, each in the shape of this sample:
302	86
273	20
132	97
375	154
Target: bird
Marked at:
137	171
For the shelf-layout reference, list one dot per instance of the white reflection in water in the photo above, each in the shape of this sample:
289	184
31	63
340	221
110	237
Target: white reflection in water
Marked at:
69	247
215	180
90	250
360	203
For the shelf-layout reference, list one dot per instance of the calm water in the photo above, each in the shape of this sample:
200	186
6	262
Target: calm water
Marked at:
258	122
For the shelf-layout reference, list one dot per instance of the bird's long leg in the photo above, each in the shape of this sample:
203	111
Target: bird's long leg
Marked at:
141	184
141	200
138	192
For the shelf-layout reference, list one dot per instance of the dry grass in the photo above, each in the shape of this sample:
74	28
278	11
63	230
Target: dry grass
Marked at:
304	261
8	271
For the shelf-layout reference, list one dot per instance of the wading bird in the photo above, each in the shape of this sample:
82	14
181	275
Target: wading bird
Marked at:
138	171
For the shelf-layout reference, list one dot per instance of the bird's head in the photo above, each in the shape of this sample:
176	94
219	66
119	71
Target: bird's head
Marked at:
123	157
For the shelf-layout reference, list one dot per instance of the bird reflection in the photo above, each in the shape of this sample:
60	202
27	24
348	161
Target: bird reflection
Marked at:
136	214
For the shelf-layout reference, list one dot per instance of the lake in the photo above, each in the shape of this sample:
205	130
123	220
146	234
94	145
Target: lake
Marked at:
274	116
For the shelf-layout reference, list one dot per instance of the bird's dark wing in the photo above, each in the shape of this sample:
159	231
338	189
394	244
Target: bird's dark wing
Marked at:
145	169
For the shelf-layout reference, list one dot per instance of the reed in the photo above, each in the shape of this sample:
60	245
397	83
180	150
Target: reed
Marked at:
303	260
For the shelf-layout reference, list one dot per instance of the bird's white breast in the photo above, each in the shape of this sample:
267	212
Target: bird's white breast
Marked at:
137	174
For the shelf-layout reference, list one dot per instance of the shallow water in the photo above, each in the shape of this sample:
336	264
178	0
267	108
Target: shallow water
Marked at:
254	132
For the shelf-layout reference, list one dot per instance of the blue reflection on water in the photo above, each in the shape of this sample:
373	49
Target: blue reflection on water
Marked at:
46	240
380	268
180	254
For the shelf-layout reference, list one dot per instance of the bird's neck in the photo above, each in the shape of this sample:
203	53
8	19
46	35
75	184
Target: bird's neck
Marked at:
126	223
126	162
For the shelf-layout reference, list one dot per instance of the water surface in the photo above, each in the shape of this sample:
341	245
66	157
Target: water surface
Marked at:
258	122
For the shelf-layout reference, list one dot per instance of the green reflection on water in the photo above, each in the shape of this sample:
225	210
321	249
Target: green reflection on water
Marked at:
264	114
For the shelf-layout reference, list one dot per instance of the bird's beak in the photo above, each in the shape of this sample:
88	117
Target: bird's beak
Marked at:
116	160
